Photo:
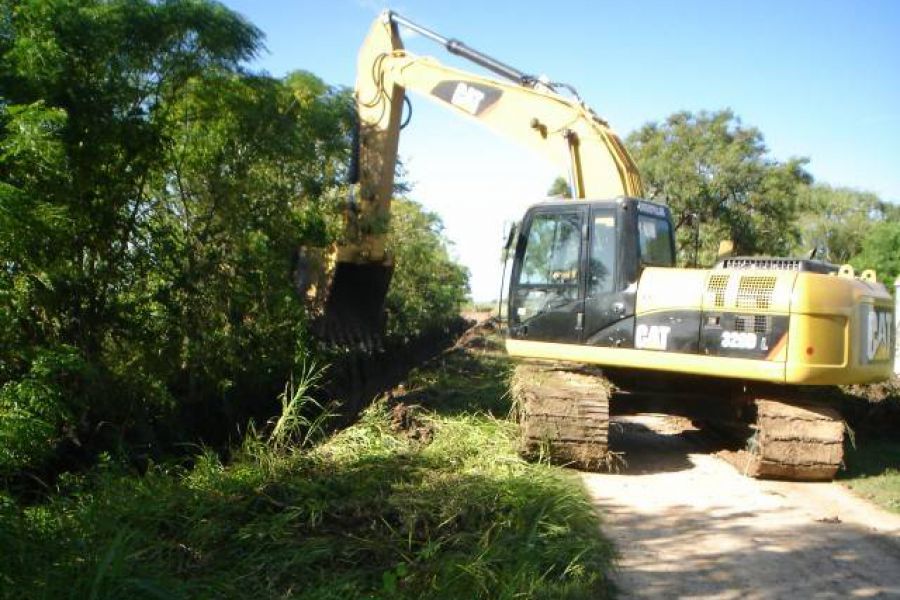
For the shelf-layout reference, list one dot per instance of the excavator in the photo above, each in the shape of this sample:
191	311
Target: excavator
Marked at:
594	292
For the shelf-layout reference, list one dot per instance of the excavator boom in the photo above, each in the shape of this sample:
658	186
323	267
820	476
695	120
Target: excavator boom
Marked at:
526	109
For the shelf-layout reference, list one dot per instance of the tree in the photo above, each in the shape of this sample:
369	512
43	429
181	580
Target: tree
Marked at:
428	287
85	87
152	197
836	221
250	176
712	166
881	251
560	187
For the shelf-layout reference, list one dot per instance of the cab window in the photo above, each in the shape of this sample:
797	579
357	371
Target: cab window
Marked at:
655	238
553	251
603	254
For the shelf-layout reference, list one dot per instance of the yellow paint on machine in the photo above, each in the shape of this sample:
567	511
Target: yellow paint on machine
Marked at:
666	289
694	364
824	344
826	330
699	364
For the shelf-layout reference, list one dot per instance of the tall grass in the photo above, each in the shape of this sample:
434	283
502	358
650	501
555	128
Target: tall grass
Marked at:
369	513
302	417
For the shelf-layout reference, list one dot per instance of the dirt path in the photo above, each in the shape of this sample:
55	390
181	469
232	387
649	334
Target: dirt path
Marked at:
687	525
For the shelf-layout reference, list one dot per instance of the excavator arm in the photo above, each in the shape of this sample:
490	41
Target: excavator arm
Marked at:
523	108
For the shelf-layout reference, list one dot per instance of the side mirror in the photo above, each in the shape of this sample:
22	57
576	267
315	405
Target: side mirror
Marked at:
511	236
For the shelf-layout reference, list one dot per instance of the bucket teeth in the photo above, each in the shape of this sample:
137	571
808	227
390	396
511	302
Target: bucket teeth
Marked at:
354	310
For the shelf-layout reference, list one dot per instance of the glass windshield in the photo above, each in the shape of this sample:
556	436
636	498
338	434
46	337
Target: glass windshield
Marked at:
552	254
655	236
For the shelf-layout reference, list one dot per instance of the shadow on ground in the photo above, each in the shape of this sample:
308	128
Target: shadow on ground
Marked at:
658	443
724	551
872	456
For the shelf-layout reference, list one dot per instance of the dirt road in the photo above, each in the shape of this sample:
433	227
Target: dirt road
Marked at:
687	525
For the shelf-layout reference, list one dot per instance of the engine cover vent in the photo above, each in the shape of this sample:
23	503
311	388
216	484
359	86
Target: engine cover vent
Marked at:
755	292
740	292
776	264
715	290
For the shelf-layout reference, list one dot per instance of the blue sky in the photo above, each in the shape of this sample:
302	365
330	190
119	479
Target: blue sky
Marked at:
819	79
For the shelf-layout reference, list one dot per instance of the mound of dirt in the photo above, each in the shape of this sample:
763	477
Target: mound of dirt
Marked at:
483	335
872	410
406	419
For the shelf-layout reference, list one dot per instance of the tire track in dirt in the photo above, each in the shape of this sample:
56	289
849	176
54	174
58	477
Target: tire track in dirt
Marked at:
688	525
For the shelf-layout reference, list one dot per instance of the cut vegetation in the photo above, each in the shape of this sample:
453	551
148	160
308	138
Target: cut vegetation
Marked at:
425	496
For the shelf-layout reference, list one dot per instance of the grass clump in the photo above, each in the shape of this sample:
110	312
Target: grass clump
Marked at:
873	471
369	513
873	460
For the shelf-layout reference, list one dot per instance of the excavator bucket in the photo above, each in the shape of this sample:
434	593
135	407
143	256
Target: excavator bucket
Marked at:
354	310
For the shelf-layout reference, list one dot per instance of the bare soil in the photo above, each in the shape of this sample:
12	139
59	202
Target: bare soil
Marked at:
688	525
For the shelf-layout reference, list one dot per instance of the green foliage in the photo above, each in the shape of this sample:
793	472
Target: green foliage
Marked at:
36	408
560	187
834	221
711	165
881	251
250	160
428	287
873	471
373	512
152	199
849	226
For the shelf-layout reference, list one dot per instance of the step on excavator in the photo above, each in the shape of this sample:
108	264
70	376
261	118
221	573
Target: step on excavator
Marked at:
594	293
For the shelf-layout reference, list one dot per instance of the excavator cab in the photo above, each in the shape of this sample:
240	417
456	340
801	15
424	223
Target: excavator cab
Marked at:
576	267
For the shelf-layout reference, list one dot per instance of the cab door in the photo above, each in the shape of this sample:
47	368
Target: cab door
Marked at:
607	304
547	288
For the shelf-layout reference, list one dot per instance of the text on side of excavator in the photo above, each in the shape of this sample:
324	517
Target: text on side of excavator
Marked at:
744	340
466	96
651	337
877	341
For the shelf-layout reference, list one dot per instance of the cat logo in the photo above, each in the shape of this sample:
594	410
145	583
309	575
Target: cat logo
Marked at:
651	337
877	331
467	98
473	98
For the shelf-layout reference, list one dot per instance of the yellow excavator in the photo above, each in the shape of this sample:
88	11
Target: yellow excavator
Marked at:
593	278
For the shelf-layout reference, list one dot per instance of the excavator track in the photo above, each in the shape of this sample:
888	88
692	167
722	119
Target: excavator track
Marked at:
563	414
794	441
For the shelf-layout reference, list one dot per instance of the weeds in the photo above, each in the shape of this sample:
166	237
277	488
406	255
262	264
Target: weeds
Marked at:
302	417
367	513
873	471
